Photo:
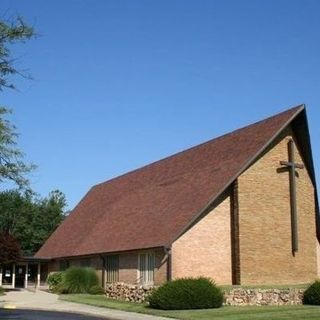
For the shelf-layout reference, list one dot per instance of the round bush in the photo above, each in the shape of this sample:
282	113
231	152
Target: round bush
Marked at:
312	294
54	281
79	280
96	290
187	293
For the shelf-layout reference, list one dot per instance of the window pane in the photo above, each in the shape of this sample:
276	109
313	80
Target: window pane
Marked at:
112	267
142	267
146	268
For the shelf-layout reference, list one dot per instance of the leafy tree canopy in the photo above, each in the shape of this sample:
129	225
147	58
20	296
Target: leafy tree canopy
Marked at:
29	219
9	248
12	165
10	33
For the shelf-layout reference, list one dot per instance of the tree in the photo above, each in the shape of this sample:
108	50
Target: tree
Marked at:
30	219
12	166
49	213
9	248
10	33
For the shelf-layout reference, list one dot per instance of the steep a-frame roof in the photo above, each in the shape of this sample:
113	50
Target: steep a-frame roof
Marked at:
151	206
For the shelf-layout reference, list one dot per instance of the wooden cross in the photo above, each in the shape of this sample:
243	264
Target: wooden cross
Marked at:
291	165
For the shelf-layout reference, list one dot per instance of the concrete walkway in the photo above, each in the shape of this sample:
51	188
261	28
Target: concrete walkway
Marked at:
40	300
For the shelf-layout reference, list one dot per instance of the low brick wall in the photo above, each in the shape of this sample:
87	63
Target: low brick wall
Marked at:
233	297
257	297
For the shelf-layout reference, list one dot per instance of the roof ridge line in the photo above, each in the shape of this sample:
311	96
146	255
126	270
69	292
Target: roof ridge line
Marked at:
299	108
302	106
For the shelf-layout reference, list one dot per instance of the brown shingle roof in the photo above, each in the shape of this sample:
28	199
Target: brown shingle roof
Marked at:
151	206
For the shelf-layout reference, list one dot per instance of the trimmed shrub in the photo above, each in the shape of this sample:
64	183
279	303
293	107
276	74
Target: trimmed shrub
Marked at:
96	290
1	291
312	294
187	293
54	281
79	280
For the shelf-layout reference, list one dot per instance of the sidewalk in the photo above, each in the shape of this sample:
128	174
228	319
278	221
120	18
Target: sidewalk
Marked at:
41	300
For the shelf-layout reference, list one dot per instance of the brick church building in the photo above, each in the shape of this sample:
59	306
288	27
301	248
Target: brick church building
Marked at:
241	209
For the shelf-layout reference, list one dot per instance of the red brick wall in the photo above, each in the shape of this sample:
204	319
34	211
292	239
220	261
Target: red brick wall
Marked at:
53	266
160	274
95	262
128	266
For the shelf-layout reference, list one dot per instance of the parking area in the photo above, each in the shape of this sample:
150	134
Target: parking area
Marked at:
41	301
42	315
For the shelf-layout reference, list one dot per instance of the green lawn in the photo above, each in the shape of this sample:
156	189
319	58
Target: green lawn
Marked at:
224	313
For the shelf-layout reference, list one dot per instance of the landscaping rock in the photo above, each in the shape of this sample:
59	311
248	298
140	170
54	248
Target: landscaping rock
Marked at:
252	297
128	292
232	297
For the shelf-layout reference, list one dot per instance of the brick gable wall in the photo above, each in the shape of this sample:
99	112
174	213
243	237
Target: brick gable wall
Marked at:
264	219
205	249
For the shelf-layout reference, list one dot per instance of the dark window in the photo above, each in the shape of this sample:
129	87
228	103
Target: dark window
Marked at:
85	262
64	265
112	267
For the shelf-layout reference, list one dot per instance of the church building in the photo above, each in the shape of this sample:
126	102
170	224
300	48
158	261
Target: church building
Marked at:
241	209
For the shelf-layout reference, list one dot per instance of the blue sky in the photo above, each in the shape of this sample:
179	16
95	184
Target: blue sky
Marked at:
119	84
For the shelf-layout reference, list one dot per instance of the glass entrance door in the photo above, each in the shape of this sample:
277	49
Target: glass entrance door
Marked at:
20	276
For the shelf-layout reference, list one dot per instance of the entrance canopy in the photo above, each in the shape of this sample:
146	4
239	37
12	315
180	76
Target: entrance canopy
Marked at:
27	272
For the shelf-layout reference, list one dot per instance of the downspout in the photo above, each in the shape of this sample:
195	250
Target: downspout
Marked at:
168	252
103	271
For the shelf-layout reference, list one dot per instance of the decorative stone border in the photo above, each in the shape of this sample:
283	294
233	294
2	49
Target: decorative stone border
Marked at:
233	297
127	292
257	297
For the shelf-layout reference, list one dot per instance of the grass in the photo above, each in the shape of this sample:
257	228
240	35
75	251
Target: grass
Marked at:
224	313
1	291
